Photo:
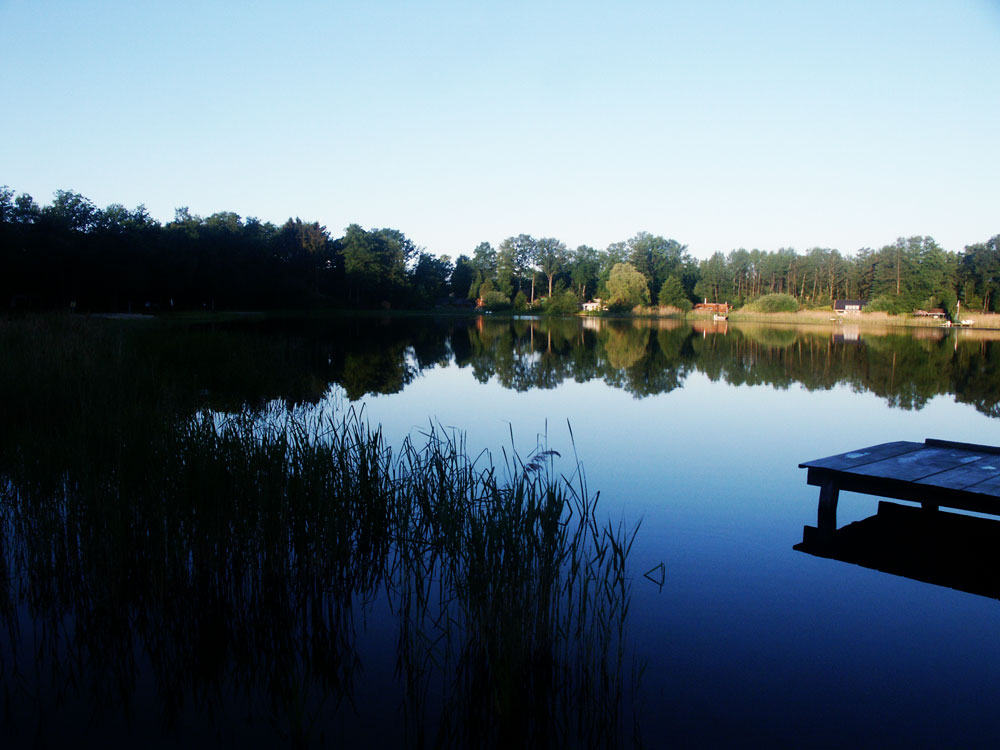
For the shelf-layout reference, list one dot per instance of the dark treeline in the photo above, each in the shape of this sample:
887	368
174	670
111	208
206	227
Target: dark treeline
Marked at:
73	253
119	259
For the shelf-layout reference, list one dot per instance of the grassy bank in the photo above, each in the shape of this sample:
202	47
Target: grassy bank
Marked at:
825	317
990	321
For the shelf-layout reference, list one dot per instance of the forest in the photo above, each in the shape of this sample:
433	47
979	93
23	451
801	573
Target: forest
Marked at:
71	254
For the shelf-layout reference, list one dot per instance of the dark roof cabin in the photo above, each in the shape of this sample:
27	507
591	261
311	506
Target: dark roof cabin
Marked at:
849	305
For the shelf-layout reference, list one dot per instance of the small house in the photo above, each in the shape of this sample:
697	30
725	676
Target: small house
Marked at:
595	305
848	306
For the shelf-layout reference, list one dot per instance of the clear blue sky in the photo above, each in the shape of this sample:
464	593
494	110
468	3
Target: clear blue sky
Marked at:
720	124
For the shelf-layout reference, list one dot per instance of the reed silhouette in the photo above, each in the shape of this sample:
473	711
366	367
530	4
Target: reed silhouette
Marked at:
234	564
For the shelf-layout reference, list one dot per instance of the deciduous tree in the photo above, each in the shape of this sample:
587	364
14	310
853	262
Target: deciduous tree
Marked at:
626	287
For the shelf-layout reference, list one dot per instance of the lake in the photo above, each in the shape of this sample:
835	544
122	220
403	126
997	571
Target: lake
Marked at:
721	634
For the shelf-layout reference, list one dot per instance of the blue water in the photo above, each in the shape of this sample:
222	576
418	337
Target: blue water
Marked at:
747	642
750	642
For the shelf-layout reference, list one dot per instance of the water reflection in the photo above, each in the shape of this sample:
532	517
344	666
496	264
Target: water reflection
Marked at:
227	367
906	368
932	546
155	566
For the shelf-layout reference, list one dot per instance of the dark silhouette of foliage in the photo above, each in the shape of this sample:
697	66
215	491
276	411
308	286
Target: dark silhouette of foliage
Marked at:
73	254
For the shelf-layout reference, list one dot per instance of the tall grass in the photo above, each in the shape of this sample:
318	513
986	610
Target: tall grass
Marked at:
538	591
242	555
825	317
982	320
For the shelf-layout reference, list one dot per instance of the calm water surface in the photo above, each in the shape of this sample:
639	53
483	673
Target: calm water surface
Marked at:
694	431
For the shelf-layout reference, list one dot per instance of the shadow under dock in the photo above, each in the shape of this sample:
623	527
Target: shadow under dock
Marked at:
946	549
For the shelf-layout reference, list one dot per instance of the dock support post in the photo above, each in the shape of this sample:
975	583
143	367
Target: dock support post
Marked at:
829	493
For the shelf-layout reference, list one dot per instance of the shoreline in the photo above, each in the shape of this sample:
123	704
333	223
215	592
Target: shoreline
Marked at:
981	321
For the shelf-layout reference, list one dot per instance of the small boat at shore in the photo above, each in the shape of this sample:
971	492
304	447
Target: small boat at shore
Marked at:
717	317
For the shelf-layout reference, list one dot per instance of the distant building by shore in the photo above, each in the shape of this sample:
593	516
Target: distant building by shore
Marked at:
848	306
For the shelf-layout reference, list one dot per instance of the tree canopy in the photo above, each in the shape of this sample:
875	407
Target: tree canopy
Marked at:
626	287
118	258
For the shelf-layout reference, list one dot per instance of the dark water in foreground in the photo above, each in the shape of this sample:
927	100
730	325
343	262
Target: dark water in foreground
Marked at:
150	619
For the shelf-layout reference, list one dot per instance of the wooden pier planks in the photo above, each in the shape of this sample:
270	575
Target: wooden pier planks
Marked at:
933	473
923	463
929	465
966	476
863	456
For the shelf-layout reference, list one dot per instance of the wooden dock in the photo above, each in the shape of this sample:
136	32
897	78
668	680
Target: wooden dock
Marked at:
934	473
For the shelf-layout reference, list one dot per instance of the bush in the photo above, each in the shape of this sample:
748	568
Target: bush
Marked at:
521	302
562	304
494	300
672	295
888	303
773	303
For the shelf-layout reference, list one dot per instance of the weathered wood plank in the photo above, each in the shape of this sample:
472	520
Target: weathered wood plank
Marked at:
935	443
915	465
965	476
935	473
863	456
925	494
989	487
827	512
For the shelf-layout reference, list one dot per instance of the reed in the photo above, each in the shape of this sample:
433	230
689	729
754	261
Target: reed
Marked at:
824	317
242	554
537	589
980	320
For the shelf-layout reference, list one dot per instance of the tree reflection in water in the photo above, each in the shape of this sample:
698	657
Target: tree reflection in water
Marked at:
226	367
